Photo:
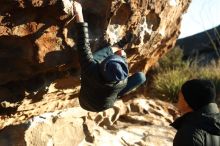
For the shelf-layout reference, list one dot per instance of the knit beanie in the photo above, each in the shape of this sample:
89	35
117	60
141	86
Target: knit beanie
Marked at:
114	68
198	93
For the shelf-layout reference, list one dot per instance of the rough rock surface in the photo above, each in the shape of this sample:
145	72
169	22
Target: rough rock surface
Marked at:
34	37
61	121
139	121
36	48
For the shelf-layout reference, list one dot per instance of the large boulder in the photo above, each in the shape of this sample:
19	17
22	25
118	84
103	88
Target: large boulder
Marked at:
56	118
35	39
36	48
142	122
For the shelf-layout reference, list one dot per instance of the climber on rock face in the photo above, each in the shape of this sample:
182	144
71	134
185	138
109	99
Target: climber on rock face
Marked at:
104	74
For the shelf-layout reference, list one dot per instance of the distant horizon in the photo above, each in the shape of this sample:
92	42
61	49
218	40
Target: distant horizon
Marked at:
201	15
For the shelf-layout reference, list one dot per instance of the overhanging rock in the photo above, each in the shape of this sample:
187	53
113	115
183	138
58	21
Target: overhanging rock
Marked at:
35	40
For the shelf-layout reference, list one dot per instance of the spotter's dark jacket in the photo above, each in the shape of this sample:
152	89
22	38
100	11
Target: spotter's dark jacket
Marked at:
198	128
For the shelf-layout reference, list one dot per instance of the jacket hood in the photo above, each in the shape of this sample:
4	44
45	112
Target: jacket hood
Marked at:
114	68
207	118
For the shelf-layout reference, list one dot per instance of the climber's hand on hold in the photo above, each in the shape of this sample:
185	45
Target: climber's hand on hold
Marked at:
77	10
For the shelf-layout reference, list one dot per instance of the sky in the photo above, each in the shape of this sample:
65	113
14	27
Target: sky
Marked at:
201	15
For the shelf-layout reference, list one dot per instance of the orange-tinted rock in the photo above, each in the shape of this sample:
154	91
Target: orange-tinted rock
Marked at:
36	47
35	39
120	125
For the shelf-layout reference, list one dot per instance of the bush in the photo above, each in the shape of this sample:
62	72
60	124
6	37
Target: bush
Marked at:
173	72
168	83
211	73
173	59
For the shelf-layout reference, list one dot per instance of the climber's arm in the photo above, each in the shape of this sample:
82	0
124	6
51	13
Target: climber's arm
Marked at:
77	9
82	41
